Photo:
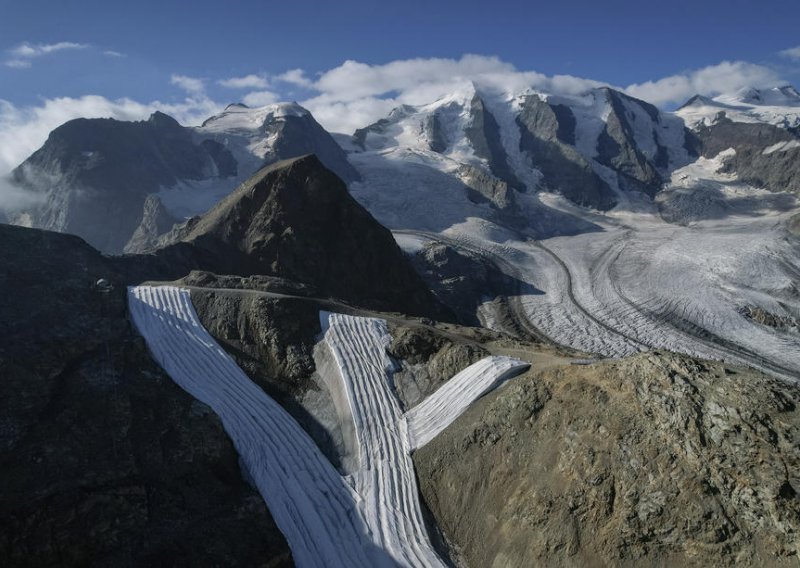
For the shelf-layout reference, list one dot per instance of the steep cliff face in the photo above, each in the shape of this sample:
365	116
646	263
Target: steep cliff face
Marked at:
547	137
119	185
617	146
654	460
94	175
484	135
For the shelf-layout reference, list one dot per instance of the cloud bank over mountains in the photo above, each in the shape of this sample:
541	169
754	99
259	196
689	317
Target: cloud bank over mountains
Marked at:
348	96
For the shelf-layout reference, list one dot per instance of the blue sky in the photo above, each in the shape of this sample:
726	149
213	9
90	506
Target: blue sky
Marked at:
177	55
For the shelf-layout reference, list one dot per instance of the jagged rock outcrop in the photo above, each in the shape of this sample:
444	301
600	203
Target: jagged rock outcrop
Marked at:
484	187
103	459
156	221
295	219
654	460
484	136
461	281
766	156
617	147
547	137
426	360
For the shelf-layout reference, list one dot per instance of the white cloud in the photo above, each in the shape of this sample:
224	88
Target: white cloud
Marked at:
191	85
246	82
355	94
30	50
17	63
791	53
25	52
260	98
713	80
112	53
295	77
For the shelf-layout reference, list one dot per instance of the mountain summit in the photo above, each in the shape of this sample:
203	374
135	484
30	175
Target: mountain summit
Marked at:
296	220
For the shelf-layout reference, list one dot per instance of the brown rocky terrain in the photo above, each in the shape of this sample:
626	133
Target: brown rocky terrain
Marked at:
654	460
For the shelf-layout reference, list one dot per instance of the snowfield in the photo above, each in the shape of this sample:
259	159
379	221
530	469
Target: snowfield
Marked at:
370	518
779	106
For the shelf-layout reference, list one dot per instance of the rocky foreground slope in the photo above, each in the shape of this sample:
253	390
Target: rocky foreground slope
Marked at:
653	460
104	460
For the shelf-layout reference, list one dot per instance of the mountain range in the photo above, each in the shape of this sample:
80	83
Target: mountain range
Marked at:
639	270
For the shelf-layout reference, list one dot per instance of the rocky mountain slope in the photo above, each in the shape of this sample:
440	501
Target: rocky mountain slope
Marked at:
593	223
95	175
121	184
295	219
104	460
595	149
656	460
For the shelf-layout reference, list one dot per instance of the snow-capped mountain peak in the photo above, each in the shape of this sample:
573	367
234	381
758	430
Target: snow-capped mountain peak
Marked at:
779	106
238	116
785	95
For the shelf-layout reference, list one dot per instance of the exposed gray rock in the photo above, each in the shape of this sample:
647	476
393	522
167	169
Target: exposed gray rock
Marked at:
654	460
380	126
775	321
545	136
95	174
301	135
434	134
485	187
156	221
705	201
776	170
427	359
483	134
617	148
460	280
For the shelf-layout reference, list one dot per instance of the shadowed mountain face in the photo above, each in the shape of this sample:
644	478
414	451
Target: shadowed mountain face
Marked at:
104	460
99	178
95	174
617	147
295	219
485	138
